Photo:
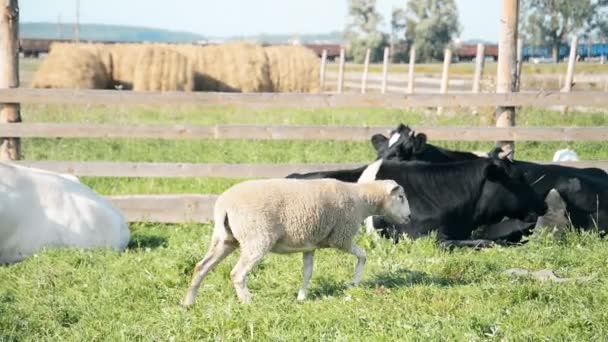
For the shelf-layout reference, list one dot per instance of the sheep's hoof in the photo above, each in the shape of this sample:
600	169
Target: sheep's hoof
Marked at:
301	297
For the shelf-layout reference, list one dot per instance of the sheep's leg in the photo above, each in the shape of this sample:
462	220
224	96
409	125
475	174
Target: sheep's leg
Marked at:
307	259
360	254
249	258
218	252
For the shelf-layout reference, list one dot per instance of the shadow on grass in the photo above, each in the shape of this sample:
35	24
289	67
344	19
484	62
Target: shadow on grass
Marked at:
328	286
139	241
404	277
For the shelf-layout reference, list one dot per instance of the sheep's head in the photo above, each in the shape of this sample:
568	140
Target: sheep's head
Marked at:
395	206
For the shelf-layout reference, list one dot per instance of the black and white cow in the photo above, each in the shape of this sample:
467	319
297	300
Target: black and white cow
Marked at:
452	198
584	190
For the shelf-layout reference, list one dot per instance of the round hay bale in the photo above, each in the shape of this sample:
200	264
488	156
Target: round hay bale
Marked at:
71	66
233	67
293	68
161	69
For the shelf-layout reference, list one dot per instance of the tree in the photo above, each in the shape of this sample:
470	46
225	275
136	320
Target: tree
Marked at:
549	22
431	26
362	31
398	43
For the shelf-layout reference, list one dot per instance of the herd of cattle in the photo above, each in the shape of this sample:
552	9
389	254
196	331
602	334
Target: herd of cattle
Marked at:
470	200
474	200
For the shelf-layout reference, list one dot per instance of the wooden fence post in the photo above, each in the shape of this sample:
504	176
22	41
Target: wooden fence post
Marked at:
365	71
447	59
570	71
507	67
341	72
479	64
385	70
571	63
410	77
10	148
322	70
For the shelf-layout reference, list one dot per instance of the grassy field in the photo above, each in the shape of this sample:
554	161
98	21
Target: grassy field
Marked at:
410	291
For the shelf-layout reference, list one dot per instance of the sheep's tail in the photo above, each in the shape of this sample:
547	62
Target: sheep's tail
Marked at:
221	228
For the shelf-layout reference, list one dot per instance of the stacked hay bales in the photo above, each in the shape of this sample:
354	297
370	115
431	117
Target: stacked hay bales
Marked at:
232	67
293	68
161	69
72	66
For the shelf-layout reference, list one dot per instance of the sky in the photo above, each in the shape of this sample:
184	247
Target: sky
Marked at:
221	18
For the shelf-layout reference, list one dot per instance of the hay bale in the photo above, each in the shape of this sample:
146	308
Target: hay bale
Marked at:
161	69
293	68
233	67
71	66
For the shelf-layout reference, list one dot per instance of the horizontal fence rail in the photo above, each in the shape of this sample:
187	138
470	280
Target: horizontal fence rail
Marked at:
165	208
299	100
278	132
180	170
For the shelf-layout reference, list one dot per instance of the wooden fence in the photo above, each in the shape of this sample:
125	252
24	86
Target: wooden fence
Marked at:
198	208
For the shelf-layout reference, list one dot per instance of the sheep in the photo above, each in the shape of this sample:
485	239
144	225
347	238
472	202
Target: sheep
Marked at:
290	216
41	209
565	154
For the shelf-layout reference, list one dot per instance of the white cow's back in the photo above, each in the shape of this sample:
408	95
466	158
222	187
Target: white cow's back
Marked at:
43	209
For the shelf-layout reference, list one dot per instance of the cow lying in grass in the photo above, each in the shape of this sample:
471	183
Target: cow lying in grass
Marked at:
584	190
44	209
453	198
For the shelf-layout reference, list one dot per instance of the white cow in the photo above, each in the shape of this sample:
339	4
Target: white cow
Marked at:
41	209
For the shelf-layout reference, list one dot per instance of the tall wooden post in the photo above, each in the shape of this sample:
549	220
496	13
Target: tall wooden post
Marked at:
445	79
410	77
385	70
507	67
322	70
341	72
520	62
10	148
365	71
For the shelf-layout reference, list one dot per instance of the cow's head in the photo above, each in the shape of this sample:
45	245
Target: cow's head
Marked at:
507	193
403	144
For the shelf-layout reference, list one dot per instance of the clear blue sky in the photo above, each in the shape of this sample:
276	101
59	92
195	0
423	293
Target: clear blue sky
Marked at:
479	18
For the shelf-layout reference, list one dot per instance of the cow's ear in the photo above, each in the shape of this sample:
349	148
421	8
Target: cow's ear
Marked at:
419	142
379	141
495	170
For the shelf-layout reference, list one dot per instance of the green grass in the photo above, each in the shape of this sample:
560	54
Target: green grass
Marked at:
410	291
252	151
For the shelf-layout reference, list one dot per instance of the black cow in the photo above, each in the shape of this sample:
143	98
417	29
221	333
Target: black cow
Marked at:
453	198
584	190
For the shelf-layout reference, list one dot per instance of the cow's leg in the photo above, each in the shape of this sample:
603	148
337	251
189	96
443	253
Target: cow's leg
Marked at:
218	252
307	260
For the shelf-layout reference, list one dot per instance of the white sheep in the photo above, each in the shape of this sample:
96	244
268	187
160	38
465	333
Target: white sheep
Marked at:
565	155
40	209
290	216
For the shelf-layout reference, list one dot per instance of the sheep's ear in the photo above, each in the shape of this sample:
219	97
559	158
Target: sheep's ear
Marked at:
394	189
